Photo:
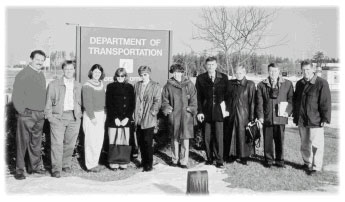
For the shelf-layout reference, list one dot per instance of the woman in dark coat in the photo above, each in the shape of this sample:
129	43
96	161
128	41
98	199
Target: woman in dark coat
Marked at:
179	102
120	104
240	103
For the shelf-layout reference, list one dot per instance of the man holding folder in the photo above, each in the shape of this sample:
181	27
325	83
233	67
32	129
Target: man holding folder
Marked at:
274	100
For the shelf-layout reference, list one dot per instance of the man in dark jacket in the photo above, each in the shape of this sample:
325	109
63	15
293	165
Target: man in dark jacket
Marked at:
312	109
274	104
211	87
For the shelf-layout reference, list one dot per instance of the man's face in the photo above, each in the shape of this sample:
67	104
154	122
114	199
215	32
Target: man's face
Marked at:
274	72
211	66
308	71
68	71
37	61
240	73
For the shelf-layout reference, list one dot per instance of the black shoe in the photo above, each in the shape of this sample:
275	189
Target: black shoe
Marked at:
243	162
184	166
280	165
220	165
19	176
67	170
268	164
209	163
56	174
173	164
147	169
312	172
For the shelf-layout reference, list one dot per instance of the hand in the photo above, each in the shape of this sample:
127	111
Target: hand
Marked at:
94	121
124	122
117	122
322	124
260	122
201	117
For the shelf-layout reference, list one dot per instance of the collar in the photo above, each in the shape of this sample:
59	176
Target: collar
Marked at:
61	82
280	81
34	68
68	81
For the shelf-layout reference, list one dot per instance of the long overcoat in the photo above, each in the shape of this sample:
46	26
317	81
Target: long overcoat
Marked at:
181	98
241	104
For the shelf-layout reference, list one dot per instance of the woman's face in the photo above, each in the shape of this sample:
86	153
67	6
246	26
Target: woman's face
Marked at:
96	74
178	75
120	77
145	77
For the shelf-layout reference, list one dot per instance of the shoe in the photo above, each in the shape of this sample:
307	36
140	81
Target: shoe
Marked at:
56	174
184	166
67	170
94	169
268	164
220	165
209	163
173	165
19	176
243	162
313	172
114	166
280	165
305	167
39	171
123	167
147	169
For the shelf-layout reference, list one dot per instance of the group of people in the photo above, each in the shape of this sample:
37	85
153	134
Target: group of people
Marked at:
223	107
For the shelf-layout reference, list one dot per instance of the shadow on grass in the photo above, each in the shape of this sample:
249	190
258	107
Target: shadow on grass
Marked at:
261	160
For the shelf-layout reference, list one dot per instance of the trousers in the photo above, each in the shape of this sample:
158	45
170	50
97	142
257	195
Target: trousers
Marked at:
274	133
94	137
180	154
63	134
29	139
214	141
145	141
312	146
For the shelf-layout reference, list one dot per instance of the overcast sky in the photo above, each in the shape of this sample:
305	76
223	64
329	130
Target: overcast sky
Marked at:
305	29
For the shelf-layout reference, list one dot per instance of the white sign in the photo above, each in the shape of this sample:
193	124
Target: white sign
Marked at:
127	64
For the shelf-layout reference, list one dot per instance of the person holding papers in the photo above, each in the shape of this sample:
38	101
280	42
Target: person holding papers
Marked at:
273	95
240	104
211	87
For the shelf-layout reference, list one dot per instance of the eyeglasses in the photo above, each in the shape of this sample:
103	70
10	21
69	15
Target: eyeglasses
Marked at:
121	76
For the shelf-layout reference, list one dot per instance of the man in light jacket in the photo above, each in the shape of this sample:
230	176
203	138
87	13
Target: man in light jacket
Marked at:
63	110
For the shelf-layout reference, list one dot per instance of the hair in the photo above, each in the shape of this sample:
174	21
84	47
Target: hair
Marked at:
272	65
144	68
120	71
100	68
176	67
305	63
209	59
67	62
239	67
39	52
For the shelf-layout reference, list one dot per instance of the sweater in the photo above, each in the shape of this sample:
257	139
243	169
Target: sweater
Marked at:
29	90
93	98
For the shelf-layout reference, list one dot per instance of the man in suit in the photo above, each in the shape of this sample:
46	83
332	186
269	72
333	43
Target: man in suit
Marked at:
312	109
63	110
29	97
211	88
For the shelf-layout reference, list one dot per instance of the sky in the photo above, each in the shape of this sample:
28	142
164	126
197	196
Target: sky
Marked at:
304	30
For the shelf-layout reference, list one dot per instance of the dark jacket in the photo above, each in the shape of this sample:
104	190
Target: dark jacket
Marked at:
151	103
210	95
312	102
120	102
240	104
56	97
181	98
266	107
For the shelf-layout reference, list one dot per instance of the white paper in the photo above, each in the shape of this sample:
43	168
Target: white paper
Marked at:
223	107
282	109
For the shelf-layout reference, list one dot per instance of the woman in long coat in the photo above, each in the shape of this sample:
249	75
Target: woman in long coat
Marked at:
179	102
120	103
240	103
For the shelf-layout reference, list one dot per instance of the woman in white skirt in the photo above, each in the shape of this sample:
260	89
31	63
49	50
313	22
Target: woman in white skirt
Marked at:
93	117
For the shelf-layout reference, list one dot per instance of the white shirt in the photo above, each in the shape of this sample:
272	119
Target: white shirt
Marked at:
68	102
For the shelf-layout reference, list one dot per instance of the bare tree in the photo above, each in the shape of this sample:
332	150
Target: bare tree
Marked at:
235	31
